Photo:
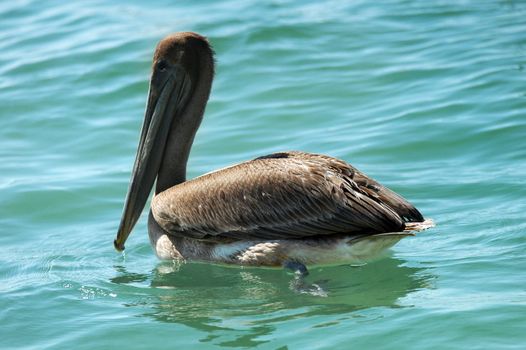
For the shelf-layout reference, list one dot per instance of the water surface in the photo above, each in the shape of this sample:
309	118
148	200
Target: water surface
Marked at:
428	97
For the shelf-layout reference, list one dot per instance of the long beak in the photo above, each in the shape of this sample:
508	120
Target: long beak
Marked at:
160	111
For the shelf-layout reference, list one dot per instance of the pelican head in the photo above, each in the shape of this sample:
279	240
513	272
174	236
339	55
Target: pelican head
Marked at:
180	84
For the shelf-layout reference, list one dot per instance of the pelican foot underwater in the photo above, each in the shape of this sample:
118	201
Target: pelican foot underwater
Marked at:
288	209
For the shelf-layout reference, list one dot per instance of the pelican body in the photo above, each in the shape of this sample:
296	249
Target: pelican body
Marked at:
283	208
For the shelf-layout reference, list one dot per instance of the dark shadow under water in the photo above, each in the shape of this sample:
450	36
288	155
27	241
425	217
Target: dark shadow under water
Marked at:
250	302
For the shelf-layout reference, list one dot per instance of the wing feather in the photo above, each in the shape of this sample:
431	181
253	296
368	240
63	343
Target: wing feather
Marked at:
288	195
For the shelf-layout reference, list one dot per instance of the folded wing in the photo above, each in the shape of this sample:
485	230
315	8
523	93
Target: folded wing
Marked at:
289	195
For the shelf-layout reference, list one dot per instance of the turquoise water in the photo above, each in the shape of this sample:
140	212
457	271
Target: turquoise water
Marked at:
428	97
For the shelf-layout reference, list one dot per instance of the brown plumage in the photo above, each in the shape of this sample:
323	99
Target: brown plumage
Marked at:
287	206
288	195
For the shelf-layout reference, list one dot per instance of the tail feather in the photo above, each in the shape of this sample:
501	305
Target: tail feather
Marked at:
419	226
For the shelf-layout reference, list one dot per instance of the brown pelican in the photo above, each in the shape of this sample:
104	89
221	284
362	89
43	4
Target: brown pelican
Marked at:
284	209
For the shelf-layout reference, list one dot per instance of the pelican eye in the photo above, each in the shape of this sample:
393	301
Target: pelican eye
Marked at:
162	66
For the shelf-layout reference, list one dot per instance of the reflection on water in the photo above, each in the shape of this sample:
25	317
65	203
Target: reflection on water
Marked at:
249	303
